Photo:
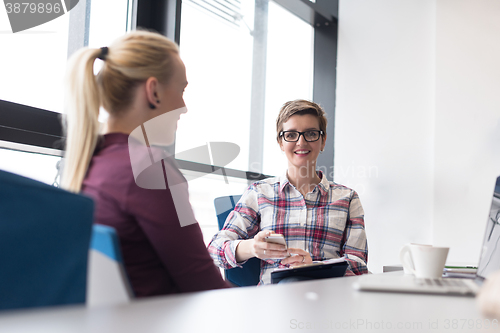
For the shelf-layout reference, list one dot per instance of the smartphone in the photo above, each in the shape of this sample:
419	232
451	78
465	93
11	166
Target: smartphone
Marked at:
276	239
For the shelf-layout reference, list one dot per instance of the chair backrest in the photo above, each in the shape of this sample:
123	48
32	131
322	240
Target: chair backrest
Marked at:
249	274
107	280
44	241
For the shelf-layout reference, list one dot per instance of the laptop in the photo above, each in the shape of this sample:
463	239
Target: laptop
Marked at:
489	262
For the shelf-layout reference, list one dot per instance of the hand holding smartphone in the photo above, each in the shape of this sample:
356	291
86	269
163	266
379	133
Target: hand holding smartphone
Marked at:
276	239
278	251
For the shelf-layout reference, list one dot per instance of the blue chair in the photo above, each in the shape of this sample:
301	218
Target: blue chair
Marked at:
44	243
107	280
249	274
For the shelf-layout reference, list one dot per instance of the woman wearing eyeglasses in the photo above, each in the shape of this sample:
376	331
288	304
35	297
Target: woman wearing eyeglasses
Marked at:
319	219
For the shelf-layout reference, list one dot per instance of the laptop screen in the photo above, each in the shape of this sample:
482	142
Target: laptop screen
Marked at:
490	253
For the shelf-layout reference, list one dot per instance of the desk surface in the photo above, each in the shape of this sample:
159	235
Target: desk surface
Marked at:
329	305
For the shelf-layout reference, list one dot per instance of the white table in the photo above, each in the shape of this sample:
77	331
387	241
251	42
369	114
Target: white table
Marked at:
329	305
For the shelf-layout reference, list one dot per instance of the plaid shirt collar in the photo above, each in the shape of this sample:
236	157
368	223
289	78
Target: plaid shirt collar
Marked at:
323	185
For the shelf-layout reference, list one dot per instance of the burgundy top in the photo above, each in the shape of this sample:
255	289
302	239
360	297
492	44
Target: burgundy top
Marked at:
160	256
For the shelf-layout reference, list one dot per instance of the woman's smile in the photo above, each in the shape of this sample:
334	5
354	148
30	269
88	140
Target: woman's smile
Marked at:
302	153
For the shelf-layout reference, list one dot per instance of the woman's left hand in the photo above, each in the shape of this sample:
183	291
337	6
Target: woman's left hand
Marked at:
302	258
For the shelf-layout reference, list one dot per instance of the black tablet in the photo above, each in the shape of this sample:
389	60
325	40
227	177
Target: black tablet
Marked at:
313	271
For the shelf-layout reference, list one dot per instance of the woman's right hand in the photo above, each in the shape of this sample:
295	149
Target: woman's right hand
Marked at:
264	250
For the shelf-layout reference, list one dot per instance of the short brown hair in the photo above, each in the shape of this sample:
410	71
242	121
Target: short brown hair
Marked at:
300	107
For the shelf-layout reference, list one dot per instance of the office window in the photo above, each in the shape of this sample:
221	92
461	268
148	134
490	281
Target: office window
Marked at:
26	79
108	20
218	59
218	48
37	166
290	64
33	62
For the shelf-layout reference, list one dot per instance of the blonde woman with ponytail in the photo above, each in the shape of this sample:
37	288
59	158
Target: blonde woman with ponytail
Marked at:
142	78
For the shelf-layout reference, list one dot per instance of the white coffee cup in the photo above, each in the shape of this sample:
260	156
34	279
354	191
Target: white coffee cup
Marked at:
428	261
406	258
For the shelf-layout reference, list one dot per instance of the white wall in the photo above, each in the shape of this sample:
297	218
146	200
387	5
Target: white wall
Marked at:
416	111
467	137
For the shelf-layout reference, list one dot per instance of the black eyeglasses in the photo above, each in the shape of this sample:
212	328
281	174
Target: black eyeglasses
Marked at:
294	136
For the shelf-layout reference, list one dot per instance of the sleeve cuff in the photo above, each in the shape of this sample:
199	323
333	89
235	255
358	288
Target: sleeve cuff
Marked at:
231	255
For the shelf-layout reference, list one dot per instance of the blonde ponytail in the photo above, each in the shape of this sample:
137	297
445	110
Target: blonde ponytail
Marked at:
81	125
132	59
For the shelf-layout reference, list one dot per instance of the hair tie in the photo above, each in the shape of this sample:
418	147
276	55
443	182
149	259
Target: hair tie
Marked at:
104	53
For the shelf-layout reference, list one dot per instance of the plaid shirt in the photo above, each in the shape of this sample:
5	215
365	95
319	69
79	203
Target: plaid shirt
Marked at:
328	223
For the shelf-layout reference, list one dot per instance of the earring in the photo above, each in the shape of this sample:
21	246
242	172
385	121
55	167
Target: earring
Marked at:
151	106
321	152
156	96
